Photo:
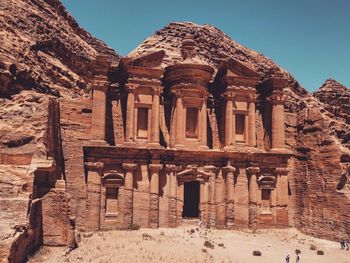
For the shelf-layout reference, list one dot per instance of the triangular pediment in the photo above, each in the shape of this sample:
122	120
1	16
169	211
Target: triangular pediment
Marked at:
237	68
152	59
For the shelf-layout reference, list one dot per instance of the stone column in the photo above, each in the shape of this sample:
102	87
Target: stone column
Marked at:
130	114
179	136
211	185
282	219
203	123
93	206
170	169
253	190
154	169
220	200
251	123
229	122
230	194
277	126
99	104
128	193
155	116
204	199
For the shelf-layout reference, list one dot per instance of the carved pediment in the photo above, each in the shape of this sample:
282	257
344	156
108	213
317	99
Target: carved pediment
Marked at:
240	69
232	72
151	59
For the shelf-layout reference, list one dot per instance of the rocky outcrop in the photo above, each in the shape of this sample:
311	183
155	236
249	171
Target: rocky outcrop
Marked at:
44	54
43	48
320	172
336	99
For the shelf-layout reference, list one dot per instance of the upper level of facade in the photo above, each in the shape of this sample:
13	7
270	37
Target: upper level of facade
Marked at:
188	105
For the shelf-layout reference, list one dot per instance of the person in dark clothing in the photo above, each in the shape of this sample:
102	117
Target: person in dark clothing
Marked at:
342	244
297	258
287	257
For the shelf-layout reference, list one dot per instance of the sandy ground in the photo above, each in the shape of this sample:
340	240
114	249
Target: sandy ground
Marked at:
180	245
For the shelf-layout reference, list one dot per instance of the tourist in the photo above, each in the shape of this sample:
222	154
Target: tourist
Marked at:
342	244
297	258
346	245
287	257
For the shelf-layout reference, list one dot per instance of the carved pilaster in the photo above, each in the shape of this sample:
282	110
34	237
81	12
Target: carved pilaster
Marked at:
211	184
93	191
170	170
180	129
253	191
130	113
128	193
229	171
229	125
277	126
282	219
155	115
154	195
251	122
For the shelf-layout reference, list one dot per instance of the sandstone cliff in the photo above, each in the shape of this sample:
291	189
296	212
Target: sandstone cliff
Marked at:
43	48
44	51
44	55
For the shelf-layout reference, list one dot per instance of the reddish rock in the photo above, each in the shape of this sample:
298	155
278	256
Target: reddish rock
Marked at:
46	53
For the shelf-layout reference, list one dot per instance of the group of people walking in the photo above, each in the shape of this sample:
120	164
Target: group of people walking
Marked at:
297	258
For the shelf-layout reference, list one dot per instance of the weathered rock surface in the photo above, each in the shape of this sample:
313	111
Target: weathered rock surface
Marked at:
43	48
44	54
44	51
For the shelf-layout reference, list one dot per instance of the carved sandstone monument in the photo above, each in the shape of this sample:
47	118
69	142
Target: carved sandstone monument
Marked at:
192	143
190	126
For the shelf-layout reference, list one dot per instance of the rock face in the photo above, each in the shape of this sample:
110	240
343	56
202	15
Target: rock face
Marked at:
44	55
46	71
43	48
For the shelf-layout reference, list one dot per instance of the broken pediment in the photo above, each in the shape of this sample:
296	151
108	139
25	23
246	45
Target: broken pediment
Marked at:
232	72
239	69
152	59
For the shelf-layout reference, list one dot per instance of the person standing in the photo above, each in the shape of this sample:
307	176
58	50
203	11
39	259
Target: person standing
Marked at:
297	258
287	257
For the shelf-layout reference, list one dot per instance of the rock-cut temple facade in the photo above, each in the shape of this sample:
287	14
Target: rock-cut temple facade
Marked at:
184	142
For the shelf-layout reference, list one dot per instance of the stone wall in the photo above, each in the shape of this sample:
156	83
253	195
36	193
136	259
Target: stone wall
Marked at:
76	129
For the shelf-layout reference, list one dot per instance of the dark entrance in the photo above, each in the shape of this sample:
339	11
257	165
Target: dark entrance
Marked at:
191	200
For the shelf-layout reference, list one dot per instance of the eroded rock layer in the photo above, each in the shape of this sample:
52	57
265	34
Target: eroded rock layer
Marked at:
44	54
43	48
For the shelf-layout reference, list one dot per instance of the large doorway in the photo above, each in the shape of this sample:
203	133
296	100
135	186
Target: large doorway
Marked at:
191	200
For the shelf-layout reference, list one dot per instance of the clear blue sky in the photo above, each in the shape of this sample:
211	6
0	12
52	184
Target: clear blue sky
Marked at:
309	38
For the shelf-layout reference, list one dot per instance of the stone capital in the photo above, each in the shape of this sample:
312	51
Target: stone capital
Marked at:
252	98
170	168
229	95
281	171
157	90
130	88
276	98
155	167
129	166
94	166
177	93
253	170
210	168
228	168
